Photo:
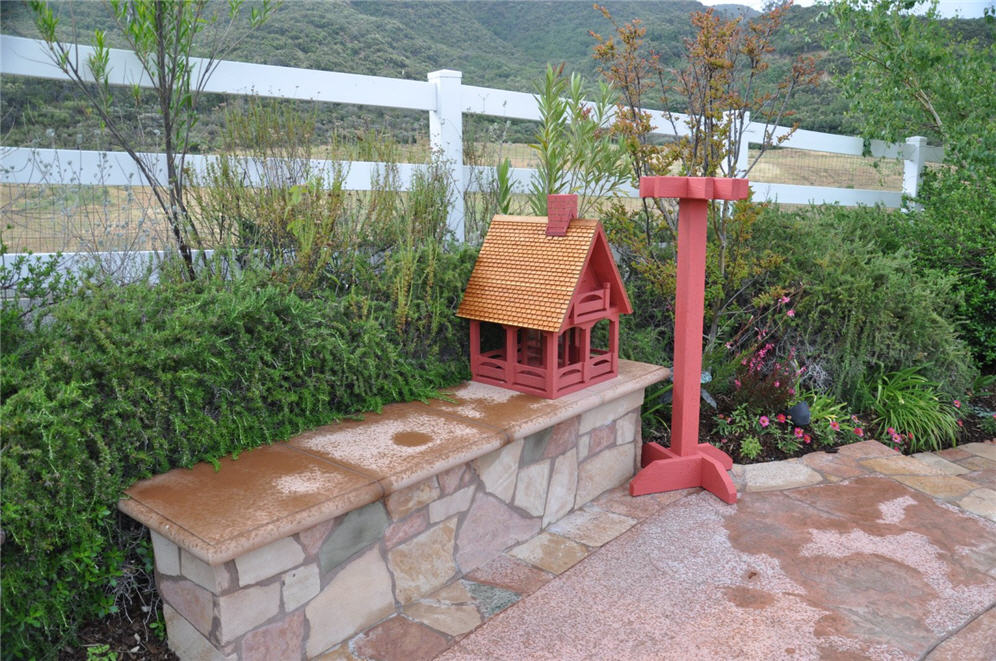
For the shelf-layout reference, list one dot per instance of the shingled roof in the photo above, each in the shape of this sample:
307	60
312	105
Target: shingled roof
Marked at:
524	277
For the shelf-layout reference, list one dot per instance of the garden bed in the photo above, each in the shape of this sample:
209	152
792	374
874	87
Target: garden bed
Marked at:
976	424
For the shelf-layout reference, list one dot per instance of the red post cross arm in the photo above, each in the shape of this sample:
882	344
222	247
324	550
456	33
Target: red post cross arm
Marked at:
688	463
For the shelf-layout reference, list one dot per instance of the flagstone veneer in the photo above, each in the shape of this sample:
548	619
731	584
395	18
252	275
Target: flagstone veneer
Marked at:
295	547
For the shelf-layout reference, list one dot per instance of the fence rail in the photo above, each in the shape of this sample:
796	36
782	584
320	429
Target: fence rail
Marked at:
443	96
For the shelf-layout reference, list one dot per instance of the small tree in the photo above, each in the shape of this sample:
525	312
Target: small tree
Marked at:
578	154
911	74
721	88
164	35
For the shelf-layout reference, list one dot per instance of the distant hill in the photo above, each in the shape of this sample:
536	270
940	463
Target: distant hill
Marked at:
494	43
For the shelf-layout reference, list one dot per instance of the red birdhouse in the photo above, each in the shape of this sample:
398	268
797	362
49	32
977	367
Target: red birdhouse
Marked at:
544	301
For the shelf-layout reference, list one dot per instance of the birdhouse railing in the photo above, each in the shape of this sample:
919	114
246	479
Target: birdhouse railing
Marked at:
576	362
492	365
591	304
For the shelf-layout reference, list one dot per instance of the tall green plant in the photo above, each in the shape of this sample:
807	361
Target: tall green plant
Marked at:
911	74
906	406
164	35
503	186
577	153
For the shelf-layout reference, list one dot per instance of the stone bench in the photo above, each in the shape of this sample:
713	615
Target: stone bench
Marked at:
292	548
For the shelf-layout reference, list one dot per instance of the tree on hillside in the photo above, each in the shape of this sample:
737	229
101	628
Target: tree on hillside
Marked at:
164	35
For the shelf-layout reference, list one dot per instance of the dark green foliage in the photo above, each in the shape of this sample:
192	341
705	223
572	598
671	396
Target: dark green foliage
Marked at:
124	382
936	78
955	233
952	233
865	307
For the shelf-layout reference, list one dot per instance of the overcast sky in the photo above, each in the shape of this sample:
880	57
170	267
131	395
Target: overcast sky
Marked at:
947	8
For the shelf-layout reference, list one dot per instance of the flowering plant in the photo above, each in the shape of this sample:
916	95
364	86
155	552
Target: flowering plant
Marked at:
748	434
766	383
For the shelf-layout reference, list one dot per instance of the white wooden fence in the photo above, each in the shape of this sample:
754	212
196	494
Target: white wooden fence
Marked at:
443	96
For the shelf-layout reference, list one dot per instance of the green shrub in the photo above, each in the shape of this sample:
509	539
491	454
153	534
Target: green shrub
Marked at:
123	382
955	233
863	310
951	232
909	413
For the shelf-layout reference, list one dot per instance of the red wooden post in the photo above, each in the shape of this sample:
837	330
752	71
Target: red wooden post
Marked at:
549	344
688	463
475	339
511	352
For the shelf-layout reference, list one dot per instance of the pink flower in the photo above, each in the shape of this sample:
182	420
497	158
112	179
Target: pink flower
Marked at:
784	299
897	439
736	382
834	425
798	432
777	384
957	404
763	420
960	424
807	438
859	431
891	431
781	417
791	313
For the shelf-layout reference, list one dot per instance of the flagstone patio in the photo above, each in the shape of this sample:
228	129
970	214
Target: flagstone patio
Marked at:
864	553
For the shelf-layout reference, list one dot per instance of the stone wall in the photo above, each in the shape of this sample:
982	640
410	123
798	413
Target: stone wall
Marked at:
303	594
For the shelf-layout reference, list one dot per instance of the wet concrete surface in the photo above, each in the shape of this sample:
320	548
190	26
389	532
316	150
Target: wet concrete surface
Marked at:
880	559
866	568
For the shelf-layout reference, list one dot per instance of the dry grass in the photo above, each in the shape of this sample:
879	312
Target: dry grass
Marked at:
812	168
46	218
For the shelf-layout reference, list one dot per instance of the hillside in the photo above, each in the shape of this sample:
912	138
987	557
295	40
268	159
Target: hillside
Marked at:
495	44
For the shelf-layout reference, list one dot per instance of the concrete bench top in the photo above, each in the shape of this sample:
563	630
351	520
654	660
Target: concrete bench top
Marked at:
276	491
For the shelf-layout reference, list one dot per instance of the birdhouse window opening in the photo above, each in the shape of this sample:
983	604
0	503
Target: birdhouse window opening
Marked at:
489	341
569	347
599	338
531	347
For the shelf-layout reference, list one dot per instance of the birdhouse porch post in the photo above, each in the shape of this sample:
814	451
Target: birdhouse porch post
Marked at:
688	463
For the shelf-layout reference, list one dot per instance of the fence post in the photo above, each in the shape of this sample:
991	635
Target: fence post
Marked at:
446	140
913	160
743	155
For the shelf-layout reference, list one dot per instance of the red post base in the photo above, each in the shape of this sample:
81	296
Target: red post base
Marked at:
705	467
